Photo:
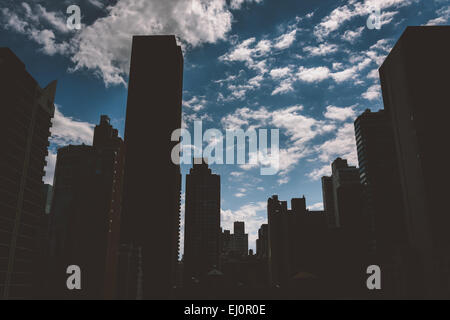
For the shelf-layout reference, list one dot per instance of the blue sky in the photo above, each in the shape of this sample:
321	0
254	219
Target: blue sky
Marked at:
307	68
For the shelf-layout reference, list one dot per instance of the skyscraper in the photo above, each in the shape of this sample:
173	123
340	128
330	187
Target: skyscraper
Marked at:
152	182
262	242
239	239
379	176
414	81
85	214
296	240
202	222
342	194
26	113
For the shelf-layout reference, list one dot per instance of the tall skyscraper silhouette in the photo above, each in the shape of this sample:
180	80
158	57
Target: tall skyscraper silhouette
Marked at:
262	243
383	203
152	182
239	239
345	200
85	214
297	239
26	113
414	81
202	222
347	243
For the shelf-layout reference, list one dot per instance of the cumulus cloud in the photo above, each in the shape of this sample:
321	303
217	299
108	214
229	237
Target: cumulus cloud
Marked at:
67	130
352	9
322	49
341	114
285	40
298	128
105	45
372	93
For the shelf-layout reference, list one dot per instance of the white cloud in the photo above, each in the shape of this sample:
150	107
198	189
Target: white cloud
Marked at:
341	114
372	93
443	17
284	86
67	130
316	206
195	103
285	40
280	72
105	45
318	173
342	145
352	9
237	4
314	74
322	50
351	36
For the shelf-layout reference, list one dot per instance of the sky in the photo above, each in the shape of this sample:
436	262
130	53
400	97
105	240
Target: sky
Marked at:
307	68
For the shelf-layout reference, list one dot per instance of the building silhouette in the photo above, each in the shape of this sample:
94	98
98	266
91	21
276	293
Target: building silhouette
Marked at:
347	244
202	222
27	110
239	239
297	239
85	215
262	243
152	182
414	81
383	204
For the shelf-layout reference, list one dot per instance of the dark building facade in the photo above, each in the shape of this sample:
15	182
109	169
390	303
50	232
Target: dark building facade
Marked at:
414	81
85	215
26	113
262	243
297	239
347	247
383	203
202	222
152	182
239	239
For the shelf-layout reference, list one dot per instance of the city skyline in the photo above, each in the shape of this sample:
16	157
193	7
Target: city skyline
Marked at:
322	83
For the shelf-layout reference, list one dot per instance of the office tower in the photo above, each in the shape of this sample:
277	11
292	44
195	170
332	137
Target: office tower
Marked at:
379	176
225	241
348	243
85	214
262	242
297	239
152	182
414	81
342	195
239	239
26	113
328	201
202	222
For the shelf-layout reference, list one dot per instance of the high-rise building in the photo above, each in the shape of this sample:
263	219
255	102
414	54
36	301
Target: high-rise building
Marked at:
328	201
342	195
202	222
297	239
152	182
383	203
85	214
262	242
343	201
239	239
414	81
26	113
